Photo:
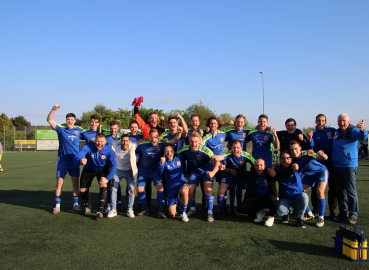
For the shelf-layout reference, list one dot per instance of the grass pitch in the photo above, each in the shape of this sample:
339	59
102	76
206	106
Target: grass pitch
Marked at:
31	237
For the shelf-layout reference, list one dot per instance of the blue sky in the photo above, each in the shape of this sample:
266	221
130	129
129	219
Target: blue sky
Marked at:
314	55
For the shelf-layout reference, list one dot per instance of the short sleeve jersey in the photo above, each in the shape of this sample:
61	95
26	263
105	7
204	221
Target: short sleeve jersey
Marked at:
215	143
68	140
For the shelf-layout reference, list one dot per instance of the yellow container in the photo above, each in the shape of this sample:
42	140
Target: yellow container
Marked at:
364	250
354	249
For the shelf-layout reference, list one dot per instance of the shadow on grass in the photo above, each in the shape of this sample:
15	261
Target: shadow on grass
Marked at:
306	248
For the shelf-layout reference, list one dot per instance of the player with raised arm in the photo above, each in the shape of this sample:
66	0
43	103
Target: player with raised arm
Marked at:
148	154
172	132
68	147
96	157
314	172
200	159
170	167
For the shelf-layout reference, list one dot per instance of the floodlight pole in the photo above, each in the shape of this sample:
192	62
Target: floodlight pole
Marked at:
262	86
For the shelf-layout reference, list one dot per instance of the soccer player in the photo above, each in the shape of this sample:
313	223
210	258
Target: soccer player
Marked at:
291	134
194	126
68	147
200	159
148	154
315	173
135	136
237	132
235	159
172	132
262	139
215	139
95	157
345	164
146	127
1	155
170	167
89	135
321	139
126	168
291	191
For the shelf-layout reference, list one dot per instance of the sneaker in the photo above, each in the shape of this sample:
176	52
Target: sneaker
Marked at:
130	213
99	216
309	217
269	222
107	209
352	220
56	210
332	215
320	222
210	218
300	223
161	215
259	216
221	214
184	217
1	170
77	208
286	218
112	213
191	212
143	213
86	211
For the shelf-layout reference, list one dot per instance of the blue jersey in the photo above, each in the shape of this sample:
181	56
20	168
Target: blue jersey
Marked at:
148	157
88	135
291	186
262	187
135	138
233	134
172	172
322	140
309	165
261	145
215	143
166	135
110	139
237	163
199	162
68	140
97	160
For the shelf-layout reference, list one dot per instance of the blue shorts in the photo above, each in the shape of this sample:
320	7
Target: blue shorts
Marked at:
311	180
194	179
141	179
172	193
229	180
66	165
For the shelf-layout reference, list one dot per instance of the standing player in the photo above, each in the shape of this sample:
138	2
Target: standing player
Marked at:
126	168
321	139
315	173
146	127
135	136
95	157
262	139
235	159
89	135
200	159
148	155
170	167
68	147
291	134
172	132
237	132
194	126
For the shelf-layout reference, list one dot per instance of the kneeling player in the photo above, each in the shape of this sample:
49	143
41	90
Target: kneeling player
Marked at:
170	167
95	156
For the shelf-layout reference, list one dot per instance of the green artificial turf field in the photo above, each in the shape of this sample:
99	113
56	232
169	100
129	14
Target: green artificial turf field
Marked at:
31	237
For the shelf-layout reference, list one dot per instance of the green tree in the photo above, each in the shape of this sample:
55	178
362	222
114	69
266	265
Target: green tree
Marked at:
307	129
201	109
20	121
6	126
226	117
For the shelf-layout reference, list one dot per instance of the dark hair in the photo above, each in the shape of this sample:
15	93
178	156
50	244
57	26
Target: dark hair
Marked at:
100	135
124	136
295	142
70	115
95	116
263	116
290	120
213	118
236	141
283	152
260	159
320	115
114	122
133	122
195	115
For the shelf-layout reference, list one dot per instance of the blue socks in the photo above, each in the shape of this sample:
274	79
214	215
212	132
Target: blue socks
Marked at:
58	200
321	206
142	200
161	200
210	202
221	201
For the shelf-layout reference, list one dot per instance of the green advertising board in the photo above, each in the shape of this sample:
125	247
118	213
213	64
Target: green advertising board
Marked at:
46	135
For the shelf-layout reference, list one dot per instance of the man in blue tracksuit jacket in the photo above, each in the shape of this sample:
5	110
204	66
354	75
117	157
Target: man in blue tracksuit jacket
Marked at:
345	163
